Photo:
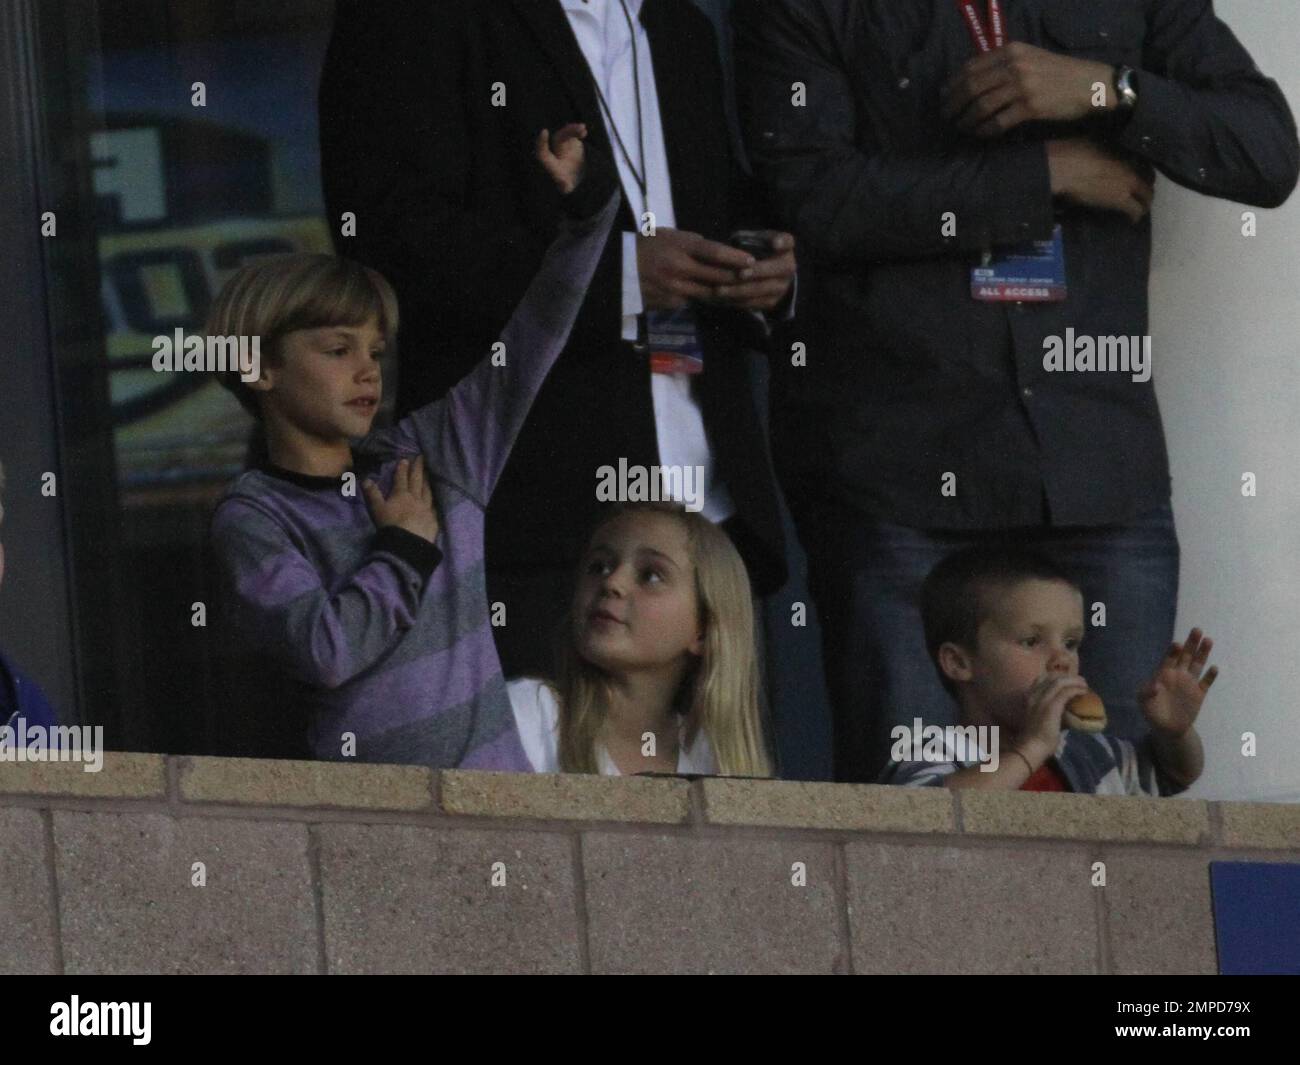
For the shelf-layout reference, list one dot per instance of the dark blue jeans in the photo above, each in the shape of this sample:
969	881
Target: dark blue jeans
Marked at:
866	575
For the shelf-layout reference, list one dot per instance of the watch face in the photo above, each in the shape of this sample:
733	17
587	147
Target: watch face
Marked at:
1124	85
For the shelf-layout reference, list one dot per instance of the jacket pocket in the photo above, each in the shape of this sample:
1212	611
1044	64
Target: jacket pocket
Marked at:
1110	30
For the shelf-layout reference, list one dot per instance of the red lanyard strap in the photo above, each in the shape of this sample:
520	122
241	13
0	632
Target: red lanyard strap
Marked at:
986	38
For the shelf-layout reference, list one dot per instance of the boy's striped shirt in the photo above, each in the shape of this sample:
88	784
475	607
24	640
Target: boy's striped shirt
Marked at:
384	636
1093	763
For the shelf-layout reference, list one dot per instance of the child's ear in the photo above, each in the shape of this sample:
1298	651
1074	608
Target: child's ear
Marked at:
697	645
955	662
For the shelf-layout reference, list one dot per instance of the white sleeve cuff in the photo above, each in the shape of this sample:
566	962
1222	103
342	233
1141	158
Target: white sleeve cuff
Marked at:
632	302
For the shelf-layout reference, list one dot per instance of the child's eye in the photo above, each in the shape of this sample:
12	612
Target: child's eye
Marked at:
1072	645
1029	641
337	351
651	573
598	565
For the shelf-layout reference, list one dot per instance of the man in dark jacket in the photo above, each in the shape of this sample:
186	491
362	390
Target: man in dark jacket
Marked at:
970	186
428	116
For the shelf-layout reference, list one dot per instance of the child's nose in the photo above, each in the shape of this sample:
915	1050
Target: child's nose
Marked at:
612	582
1060	661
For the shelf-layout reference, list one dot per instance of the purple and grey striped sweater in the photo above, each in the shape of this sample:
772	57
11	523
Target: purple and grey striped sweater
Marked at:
391	639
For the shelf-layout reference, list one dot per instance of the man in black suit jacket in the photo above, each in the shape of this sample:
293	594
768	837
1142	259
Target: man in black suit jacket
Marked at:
429	111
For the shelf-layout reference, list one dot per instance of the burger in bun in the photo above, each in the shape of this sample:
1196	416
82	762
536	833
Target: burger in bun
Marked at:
1085	712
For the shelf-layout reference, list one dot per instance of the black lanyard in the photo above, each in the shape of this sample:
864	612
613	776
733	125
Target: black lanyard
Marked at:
640	175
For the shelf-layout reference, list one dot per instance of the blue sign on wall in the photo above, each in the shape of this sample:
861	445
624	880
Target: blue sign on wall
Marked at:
1256	917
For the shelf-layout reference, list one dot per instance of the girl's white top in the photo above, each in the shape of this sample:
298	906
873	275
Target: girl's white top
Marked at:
537	713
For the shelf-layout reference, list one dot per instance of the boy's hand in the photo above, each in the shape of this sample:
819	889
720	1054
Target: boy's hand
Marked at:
1044	704
1172	698
563	155
409	505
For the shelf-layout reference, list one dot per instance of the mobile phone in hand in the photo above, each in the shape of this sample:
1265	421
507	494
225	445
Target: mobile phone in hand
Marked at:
757	242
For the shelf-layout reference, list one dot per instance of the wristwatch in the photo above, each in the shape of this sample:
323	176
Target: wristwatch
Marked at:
1125	88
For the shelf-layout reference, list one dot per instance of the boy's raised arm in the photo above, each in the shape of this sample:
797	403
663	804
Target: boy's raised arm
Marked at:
278	604
467	435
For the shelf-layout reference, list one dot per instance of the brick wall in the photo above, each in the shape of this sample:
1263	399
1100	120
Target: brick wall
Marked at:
314	867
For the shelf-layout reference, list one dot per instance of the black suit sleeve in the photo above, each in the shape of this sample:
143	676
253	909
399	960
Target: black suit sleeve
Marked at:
396	94
748	204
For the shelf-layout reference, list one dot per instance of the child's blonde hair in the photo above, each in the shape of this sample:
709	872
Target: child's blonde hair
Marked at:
278	294
721	691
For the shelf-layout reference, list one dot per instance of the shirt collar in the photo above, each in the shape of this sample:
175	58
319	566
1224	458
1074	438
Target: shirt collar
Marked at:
633	6
363	465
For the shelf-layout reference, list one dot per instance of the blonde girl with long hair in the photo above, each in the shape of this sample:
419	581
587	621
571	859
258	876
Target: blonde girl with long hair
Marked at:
657	668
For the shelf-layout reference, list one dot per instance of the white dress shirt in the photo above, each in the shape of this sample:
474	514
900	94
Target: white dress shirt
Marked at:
602	33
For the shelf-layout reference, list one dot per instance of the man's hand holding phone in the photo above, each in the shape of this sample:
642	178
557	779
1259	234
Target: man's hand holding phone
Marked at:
764	285
676	267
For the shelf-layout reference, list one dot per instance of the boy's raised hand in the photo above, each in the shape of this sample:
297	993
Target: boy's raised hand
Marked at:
563	155
1172	698
409	505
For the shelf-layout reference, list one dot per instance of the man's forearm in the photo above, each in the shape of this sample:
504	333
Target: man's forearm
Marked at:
917	207
854	204
1206	116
